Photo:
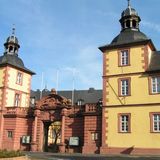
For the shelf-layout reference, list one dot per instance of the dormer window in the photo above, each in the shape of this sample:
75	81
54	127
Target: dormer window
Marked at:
19	78
80	102
123	58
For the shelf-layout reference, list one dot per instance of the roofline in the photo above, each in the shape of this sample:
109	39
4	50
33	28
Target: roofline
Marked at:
112	46
152	71
22	69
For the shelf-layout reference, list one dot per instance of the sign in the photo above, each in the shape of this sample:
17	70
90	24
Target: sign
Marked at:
26	139
74	141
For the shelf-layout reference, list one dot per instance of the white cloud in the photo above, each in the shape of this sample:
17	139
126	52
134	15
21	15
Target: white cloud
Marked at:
86	71
89	66
151	25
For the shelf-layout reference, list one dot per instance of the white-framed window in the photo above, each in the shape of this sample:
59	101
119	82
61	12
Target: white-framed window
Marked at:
80	102
124	123
17	100
156	122
32	100
19	78
124	87
124	58
155	84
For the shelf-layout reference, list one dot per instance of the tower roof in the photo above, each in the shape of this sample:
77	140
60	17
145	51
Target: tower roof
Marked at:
129	36
15	62
10	56
130	32
129	11
12	39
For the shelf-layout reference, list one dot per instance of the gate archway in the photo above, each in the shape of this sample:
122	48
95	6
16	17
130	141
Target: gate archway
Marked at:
49	110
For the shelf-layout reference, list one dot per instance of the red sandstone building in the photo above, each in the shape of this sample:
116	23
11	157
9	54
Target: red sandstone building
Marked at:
24	124
51	123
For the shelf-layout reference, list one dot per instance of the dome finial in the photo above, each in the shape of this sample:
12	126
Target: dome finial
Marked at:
13	29
129	4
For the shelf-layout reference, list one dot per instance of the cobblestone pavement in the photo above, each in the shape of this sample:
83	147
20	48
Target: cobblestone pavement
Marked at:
53	156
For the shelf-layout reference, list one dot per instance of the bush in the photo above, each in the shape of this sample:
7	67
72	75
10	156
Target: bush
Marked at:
7	154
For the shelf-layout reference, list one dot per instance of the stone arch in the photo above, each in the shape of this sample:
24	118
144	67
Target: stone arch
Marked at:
49	109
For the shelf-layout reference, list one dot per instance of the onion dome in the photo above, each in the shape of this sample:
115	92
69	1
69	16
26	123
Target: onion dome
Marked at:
130	32
129	18
130	27
11	45
10	56
129	11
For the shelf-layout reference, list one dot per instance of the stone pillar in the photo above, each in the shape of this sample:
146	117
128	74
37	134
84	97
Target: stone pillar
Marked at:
1	128
104	145
34	139
62	145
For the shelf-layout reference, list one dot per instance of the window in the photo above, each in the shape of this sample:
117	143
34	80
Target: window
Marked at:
26	139
124	57
134	23
124	123
32	100
155	84
94	136
10	49
124	86
19	78
10	134
17	100
155	122
80	102
128	24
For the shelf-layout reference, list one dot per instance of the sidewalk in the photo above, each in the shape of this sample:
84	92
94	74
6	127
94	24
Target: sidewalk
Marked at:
78	156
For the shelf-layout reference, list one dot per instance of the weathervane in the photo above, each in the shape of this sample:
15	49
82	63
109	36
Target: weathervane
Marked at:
13	29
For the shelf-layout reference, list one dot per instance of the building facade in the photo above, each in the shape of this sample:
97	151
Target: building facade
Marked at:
127	122
131	89
15	81
31	120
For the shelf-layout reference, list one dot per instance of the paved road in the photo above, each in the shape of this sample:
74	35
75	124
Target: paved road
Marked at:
53	156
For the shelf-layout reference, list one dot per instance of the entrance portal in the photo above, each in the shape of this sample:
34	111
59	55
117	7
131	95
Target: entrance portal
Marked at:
49	124
54	136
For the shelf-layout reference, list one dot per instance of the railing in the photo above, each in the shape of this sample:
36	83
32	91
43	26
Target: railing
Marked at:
17	110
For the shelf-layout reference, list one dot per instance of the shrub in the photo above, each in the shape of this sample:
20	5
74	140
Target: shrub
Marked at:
7	154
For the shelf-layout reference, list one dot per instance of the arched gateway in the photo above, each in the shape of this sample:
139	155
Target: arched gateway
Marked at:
50	111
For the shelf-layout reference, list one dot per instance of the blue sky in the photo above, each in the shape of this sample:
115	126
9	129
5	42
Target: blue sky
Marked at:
65	35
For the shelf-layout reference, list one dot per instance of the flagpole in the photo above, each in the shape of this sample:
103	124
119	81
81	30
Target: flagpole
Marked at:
57	81
73	78
41	85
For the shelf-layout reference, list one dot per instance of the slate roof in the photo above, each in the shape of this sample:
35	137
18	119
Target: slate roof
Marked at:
14	61
87	96
127	37
129	11
154	64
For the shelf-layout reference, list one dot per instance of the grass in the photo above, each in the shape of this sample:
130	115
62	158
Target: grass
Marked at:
7	154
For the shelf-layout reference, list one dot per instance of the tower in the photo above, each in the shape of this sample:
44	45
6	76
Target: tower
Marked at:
15	80
131	113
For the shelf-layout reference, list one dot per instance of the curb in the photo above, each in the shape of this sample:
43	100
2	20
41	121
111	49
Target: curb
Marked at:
16	158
